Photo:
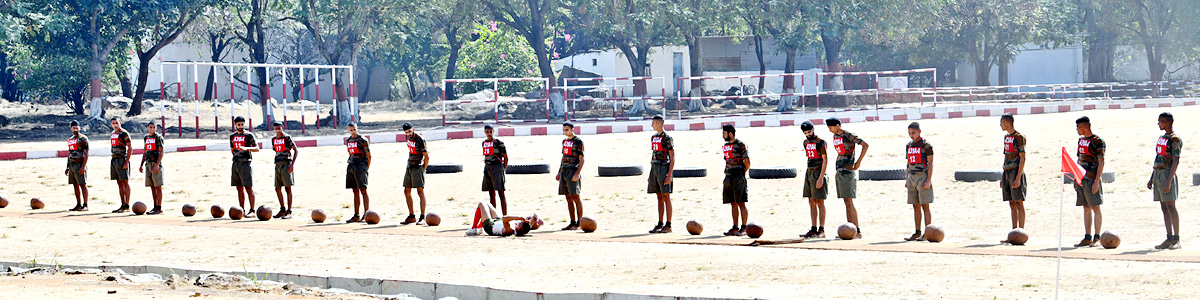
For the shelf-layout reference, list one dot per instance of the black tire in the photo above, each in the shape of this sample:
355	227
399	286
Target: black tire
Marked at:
882	174
689	172
440	168
1107	177
1196	178
527	169
978	175
777	172
619	170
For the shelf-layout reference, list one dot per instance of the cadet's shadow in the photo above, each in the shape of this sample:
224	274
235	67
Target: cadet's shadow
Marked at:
463	230
629	236
324	224
709	237
85	215
981	246
374	227
1139	252
206	220
889	243
119	216
48	212
1053	249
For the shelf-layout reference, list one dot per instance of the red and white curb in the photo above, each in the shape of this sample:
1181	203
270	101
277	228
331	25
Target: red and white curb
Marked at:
764	120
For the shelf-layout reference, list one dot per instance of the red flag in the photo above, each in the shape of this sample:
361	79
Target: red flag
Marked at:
1069	166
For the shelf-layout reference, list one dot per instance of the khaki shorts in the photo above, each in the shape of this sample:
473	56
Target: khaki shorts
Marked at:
73	176
810	184
282	176
917	194
414	177
656	183
1160	178
565	185
241	174
356	175
735	189
117	170
493	177
847	184
153	179
1008	193
1084	196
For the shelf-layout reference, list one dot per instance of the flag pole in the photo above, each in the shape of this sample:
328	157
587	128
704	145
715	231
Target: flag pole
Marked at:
1058	268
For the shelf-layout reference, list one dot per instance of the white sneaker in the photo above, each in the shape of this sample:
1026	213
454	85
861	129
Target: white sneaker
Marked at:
473	232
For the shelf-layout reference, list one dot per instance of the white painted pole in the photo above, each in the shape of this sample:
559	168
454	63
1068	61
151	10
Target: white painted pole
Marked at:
333	89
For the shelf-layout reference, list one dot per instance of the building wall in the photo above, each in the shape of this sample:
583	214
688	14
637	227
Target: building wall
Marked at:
1037	65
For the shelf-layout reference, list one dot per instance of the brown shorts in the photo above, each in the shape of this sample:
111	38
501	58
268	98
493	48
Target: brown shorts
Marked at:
73	176
565	185
153	179
356	176
656	184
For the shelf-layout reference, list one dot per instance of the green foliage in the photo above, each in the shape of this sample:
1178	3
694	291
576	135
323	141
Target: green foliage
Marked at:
496	52
48	76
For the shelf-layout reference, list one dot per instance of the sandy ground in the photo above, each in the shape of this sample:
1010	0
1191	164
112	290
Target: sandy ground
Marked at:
972	213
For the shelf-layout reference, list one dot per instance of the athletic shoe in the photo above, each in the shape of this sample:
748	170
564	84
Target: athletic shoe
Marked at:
154	212
656	228
1175	246
1165	244
76	208
820	234
411	219
569	227
354	219
665	229
732	232
282	212
1086	242
288	215
122	209
917	237
858	236
473	232
83	208
810	234
421	221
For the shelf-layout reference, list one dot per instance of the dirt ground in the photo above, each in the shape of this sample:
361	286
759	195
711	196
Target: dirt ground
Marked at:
95	286
612	259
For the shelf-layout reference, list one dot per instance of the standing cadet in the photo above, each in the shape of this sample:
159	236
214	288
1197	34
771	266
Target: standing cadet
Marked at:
1090	194
152	165
662	167
414	175
814	180
568	174
844	143
1163	182
920	179
286	154
356	170
737	161
76	171
241	144
495	162
122	147
1012	184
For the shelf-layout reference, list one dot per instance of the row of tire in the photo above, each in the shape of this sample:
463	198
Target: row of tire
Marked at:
777	172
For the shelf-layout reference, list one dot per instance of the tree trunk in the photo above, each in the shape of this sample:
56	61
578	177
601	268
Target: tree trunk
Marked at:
139	94
126	86
208	85
637	67
983	71
762	64
1154	58
1101	40
789	82
412	89
697	87
1002	72
452	61
832	44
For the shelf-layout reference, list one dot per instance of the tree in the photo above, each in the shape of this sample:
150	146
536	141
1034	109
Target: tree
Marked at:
453	17
94	28
214	29
1101	30
988	32
695	19
792	32
837	19
255	18
169	19
341	29
530	19
1153	22
632	26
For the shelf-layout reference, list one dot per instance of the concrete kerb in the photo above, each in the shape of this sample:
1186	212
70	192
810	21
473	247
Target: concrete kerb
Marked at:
499	294
358	285
442	290
423	290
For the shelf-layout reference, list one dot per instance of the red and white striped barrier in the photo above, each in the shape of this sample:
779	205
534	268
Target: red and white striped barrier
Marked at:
495	99
617	101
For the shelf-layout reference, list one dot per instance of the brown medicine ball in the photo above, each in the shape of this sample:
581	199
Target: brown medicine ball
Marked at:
753	230
318	216
189	210
694	227
36	203
236	213
1018	236
371	217
263	213
1110	239
587	224
217	211
433	219
139	208
934	233
3	201
847	231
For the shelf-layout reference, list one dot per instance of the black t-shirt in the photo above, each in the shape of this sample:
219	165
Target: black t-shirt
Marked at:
243	140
